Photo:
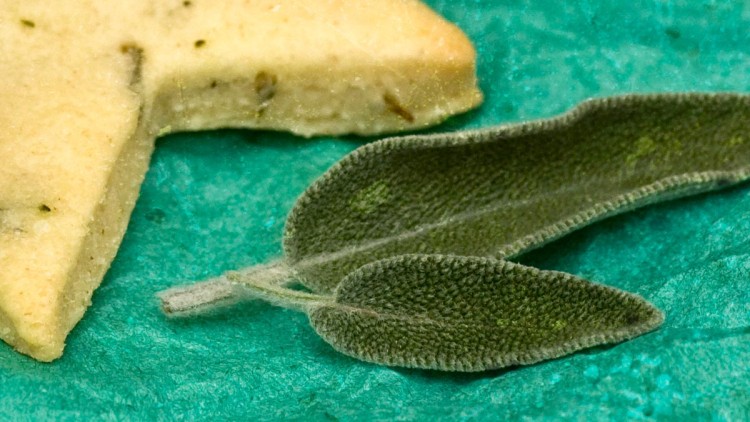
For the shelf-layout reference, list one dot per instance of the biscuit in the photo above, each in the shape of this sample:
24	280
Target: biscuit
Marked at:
87	86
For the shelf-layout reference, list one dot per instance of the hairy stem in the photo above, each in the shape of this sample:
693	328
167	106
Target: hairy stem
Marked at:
262	282
267	287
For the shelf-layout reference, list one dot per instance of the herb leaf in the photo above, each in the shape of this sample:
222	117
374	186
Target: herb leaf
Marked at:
460	313
502	191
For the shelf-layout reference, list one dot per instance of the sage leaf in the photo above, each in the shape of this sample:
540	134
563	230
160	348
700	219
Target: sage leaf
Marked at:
462	313
502	191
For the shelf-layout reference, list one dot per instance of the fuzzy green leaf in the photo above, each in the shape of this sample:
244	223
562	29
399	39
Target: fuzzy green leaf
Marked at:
466	202
502	191
459	313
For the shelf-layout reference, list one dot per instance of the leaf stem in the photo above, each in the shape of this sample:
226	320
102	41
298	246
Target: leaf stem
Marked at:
267	287
262	282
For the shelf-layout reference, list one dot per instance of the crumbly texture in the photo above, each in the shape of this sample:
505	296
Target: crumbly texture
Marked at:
87	86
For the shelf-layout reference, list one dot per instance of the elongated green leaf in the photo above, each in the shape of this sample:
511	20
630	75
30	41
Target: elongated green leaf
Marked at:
502	191
461	313
468	201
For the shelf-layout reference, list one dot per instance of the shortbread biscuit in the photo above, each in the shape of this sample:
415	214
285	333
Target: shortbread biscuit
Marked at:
86	86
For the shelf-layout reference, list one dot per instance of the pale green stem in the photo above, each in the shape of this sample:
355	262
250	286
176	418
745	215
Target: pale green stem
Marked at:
263	282
274	292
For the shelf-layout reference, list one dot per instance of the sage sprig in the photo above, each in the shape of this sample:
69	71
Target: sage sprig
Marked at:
404	243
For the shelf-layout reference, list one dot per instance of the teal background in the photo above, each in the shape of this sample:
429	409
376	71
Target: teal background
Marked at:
215	201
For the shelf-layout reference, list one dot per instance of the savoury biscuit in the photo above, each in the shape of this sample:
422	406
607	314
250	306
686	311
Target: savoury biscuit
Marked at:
86	87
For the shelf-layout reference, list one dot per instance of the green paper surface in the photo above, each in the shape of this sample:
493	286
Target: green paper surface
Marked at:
215	201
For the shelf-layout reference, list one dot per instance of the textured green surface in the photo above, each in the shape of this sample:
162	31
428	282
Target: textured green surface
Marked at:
216	201
468	313
510	189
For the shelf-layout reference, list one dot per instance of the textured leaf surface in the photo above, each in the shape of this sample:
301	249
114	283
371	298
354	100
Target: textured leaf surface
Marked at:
471	313
502	191
492	194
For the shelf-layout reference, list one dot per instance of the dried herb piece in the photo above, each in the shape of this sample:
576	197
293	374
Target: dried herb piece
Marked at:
136	57
28	23
394	106
265	89
502	191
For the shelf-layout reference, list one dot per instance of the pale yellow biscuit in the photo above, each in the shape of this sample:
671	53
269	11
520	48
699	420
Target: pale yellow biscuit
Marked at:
86	86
